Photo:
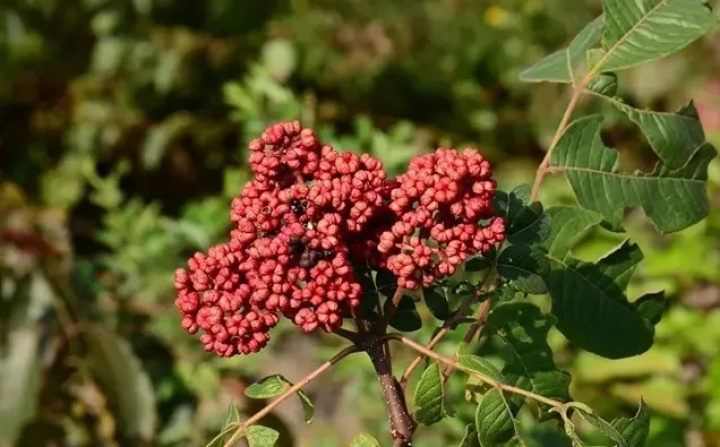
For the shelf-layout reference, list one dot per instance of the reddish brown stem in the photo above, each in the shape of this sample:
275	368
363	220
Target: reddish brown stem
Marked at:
401	424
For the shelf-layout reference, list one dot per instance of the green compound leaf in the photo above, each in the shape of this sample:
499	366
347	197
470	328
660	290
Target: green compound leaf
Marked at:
605	84
260	436
672	199
407	318
674	137
471	437
651	306
590	304
478	264
364	440
639	31
562	65
495	420
429	396
437	302
275	385
567	223
529	359
524	267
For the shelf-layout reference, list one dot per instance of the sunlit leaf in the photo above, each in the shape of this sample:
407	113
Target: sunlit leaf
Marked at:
672	199
275	385
429	396
636	32
562	65
674	137
260	436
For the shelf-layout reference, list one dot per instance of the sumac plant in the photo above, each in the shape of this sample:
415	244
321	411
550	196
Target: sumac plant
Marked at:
325	239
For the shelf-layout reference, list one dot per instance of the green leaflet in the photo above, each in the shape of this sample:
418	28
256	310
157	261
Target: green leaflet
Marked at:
524	329
590	304
429	396
567	222
562	65
495	420
437	302
672	199
275	385
636	32
623	431
260	436
523	267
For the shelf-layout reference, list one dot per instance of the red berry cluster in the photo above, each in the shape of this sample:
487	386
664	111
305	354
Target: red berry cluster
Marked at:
309	215
439	202
308	211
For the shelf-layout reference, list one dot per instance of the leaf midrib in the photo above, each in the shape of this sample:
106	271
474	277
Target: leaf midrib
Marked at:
595	70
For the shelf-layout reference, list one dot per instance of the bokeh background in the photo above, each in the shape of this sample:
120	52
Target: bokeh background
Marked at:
123	127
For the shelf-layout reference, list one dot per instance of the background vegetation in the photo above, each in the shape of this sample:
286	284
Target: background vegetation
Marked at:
122	141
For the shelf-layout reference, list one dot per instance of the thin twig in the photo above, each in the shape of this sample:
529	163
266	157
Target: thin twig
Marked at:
542	170
240	430
392	308
479	322
445	329
482	377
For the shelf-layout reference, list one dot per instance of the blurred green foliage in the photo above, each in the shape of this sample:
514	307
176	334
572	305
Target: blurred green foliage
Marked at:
122	132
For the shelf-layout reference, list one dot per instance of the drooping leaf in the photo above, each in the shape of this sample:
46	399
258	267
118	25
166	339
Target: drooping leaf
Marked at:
437	302
429	396
471	437
636	32
495	420
590	304
674	137
605	84
364	440
275	385
524	329
672	199
567	222
562	65
524	268
125	382
260	436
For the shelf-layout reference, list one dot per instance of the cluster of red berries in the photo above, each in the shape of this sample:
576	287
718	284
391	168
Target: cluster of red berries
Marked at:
439	203
309	215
